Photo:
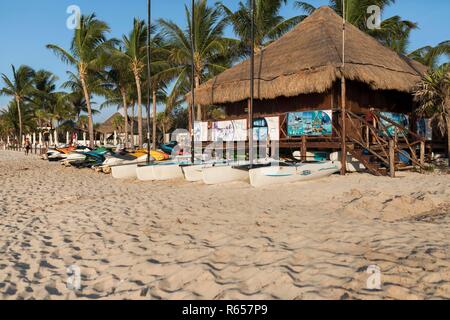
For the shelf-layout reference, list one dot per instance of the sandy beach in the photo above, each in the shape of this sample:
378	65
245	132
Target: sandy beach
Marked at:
176	240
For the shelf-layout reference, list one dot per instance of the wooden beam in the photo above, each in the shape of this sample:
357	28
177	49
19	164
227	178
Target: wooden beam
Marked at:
422	153
391	158
343	127
304	153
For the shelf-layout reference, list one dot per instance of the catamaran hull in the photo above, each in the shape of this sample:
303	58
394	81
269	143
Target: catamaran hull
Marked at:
193	173
124	172
159	172
223	174
145	173
167	172
273	175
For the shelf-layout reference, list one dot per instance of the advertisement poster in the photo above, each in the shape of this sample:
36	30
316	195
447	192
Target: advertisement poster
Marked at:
266	129
201	131
310	123
424	129
398	118
235	130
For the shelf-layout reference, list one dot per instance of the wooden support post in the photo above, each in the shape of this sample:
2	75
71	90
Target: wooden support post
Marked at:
422	153
367	136
391	158
343	127
304	151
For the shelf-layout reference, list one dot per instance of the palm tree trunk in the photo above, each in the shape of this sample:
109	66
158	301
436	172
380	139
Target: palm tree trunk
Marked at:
132	124
88	105
125	109
448	139
139	93
154	120
20	120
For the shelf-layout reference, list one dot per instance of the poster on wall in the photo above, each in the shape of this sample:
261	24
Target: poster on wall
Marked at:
201	131
424	129
234	130
310	123
399	118
266	129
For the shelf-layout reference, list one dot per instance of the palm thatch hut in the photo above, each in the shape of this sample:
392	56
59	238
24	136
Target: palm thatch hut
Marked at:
115	126
302	71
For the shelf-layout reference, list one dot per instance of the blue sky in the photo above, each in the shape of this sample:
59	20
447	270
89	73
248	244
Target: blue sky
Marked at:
27	26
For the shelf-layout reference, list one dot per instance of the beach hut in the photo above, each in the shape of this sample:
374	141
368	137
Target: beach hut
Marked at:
300	80
110	131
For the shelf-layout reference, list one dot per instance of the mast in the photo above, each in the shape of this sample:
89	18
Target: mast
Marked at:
149	75
193	81
343	98
252	81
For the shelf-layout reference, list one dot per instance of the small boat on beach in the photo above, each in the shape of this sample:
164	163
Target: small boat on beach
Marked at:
127	169
159	171
283	172
225	172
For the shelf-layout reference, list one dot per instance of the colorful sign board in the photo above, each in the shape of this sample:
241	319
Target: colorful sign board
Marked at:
266	129
310	123
398	118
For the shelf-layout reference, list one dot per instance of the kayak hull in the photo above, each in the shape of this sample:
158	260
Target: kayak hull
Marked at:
274	175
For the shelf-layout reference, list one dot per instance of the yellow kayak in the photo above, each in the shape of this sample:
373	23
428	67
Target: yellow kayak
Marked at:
157	155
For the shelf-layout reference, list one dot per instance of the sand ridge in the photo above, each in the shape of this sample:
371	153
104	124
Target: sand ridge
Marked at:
176	240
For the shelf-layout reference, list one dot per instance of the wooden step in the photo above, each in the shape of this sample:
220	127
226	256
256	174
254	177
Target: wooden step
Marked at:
373	167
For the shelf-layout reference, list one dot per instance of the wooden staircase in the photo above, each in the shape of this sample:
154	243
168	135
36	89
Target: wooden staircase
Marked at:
369	161
372	143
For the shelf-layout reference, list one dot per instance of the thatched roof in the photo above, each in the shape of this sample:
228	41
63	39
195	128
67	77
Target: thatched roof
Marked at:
108	127
308	59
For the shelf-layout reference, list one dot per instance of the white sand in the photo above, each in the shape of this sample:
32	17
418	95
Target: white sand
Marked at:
134	240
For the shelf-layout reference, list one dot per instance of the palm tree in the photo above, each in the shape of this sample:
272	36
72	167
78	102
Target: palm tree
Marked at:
135	54
269	24
10	118
433	96
89	45
49	104
18	87
394	31
212	51
120	80
430	56
76	97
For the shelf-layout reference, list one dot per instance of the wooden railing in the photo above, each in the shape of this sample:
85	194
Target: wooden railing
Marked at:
385	140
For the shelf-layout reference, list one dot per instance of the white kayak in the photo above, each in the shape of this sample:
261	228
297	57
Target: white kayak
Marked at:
123	160
288	173
74	157
224	173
